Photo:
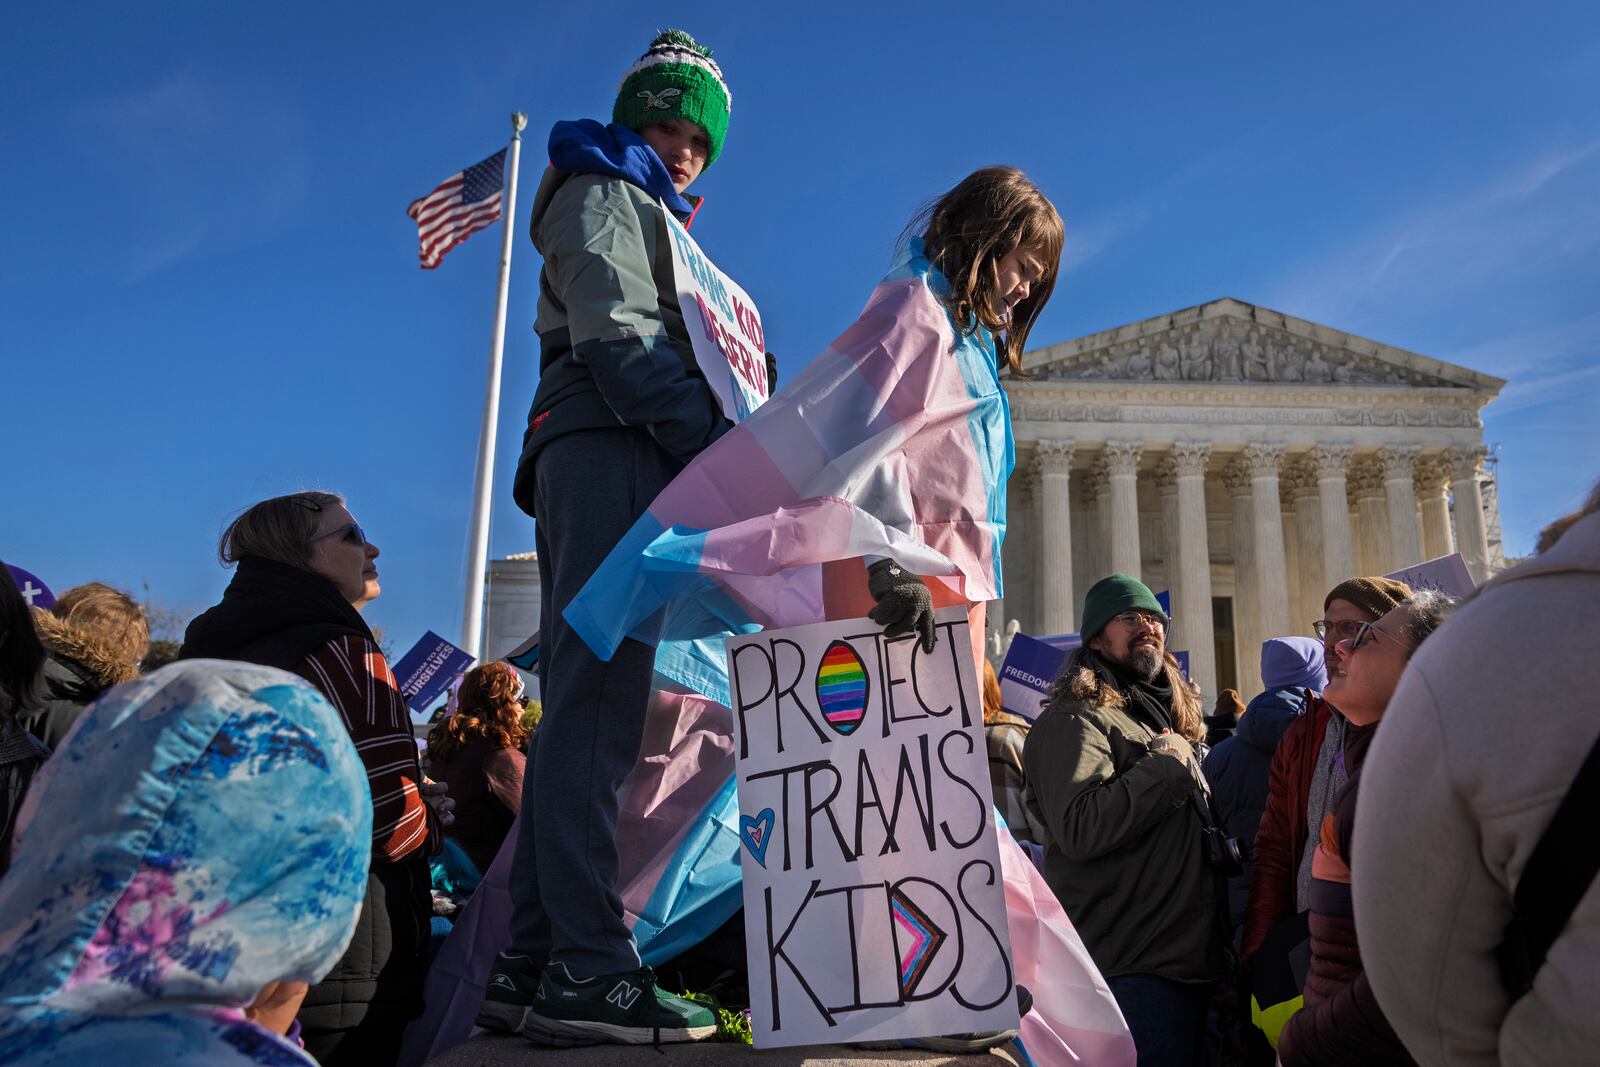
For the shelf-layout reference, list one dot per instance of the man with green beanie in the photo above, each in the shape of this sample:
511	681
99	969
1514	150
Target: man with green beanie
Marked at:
621	407
1113	779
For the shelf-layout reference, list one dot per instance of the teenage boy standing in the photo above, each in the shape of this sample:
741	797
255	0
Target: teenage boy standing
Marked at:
620	408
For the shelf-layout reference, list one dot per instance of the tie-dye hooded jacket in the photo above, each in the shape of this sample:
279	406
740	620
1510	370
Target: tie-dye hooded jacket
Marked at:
201	833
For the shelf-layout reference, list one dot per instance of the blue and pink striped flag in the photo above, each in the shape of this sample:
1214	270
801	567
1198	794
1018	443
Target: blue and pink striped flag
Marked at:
895	441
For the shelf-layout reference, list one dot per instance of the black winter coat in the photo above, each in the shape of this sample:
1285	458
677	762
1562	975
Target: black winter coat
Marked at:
1239	770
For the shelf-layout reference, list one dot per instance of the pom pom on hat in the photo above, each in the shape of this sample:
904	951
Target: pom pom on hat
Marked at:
676	78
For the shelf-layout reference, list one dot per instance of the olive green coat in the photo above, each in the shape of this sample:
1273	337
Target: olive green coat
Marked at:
1124	847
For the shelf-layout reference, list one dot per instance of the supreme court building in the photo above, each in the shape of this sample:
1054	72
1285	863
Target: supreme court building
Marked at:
1245	460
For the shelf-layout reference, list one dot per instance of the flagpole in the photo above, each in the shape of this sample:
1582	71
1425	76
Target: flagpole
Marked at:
483	488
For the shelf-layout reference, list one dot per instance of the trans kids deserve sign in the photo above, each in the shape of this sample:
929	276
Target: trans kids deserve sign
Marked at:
723	324
874	907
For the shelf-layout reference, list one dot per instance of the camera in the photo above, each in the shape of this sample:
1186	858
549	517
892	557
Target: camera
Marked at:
1224	852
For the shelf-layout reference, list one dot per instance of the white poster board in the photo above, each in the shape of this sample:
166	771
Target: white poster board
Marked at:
723	324
874	907
1448	574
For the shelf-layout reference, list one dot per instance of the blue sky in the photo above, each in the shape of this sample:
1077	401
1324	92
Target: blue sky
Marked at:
212	294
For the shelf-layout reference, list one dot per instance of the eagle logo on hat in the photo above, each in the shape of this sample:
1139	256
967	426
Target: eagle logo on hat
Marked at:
658	100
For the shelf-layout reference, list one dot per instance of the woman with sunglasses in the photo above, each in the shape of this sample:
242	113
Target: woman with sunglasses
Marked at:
305	569
1341	1021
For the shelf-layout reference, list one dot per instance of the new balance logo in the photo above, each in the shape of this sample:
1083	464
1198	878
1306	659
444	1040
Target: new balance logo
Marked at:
503	981
623	995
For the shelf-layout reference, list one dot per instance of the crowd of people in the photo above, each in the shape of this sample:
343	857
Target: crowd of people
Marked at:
237	857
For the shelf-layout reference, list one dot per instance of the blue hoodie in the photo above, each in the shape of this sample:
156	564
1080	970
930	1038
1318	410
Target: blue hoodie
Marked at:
586	147
1240	771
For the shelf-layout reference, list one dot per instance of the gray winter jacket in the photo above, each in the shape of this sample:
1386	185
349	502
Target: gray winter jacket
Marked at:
613	347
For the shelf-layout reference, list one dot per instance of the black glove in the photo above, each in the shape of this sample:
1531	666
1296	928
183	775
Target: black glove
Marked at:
904	603
772	374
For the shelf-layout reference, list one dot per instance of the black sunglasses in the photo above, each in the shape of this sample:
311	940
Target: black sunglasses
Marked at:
352	532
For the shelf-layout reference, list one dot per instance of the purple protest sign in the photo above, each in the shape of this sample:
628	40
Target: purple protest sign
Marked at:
428	669
1447	574
1025	678
34	592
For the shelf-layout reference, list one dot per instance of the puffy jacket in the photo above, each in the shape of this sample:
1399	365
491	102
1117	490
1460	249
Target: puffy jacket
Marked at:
1239	771
1342	1021
613	349
1281	840
78	668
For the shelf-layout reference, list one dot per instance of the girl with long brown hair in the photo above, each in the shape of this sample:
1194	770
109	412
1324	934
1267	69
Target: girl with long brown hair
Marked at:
990	251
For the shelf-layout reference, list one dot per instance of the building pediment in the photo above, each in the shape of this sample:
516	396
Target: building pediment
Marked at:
1232	341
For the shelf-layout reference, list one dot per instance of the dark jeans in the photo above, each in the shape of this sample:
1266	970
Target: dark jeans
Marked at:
590	488
1166	1018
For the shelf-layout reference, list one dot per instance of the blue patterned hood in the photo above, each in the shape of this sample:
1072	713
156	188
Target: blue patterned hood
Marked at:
201	833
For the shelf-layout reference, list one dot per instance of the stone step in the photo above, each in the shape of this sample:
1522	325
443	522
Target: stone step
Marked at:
503	1050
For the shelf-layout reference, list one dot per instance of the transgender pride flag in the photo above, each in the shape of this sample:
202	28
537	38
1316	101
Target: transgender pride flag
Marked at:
895	441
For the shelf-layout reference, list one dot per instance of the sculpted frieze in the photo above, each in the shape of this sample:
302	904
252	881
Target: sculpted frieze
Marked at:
1227	350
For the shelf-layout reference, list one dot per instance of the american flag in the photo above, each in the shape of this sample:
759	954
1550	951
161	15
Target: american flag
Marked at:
463	204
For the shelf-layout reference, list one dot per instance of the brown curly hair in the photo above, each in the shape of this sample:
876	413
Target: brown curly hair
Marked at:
486	707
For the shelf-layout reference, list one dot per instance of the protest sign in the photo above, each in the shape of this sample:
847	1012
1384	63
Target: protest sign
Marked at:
428	669
34	592
1448	574
1025	678
874	906
525	657
723	325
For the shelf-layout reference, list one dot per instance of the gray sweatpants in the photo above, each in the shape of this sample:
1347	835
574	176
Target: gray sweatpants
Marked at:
590	487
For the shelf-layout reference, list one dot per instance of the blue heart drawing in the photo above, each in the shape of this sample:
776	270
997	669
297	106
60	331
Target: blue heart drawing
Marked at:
756	832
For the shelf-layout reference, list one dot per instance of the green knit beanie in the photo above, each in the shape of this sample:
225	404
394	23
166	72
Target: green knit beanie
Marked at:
1110	597
676	78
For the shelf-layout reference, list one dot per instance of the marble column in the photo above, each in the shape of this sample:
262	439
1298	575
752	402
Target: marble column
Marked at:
1083	536
1372	520
1034	601
1272	598
1194	567
1097	488
1433	496
1288	481
1405	536
1472	533
1248	631
1166	478
1309	530
1122	464
1055	519
1016	551
1338	559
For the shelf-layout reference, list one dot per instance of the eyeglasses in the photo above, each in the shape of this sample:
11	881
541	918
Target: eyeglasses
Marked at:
1367	629
1341	630
1138	617
352	532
